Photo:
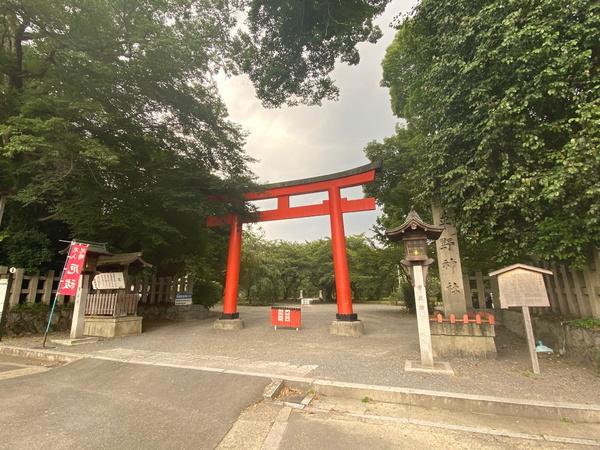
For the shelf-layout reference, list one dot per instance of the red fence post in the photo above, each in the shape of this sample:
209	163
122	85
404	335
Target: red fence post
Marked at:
340	261
233	270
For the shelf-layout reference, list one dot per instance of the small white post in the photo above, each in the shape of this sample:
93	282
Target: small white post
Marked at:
4	291
78	323
530	340
422	317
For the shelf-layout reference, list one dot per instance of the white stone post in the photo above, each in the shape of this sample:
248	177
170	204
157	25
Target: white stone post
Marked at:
422	317
78	322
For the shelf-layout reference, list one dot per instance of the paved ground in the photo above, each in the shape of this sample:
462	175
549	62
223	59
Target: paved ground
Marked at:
335	423
103	404
376	358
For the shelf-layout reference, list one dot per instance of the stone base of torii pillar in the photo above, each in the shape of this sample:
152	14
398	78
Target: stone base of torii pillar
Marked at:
228	324
354	328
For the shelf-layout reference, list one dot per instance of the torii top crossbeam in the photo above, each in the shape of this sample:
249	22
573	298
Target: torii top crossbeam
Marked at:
284	190
335	206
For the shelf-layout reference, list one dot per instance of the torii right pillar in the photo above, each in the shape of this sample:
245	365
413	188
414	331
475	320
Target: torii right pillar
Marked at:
450	268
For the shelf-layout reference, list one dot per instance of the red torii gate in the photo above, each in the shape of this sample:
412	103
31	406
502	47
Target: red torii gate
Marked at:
335	207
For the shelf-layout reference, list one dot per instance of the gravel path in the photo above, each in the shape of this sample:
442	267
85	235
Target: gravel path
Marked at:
378	357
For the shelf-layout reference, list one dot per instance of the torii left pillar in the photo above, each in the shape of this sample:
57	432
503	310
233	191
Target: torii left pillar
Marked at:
346	323
230	319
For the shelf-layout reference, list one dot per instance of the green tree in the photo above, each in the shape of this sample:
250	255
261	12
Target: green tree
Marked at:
503	97
372	268
111	126
290	47
276	270
396	187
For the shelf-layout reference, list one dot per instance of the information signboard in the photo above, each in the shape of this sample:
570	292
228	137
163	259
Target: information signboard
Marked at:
109	280
183	298
522	285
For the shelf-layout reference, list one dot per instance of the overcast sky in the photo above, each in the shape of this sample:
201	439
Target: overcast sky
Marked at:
300	142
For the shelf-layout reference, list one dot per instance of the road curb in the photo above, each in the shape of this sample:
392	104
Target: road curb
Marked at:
483	404
455	401
41	354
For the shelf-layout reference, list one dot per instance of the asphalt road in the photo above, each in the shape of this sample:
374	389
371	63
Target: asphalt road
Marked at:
104	404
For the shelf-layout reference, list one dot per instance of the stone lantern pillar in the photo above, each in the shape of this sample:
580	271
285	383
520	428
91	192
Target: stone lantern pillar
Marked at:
414	234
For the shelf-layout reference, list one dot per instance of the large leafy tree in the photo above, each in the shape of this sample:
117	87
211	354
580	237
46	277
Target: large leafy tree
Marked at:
504	99
111	126
289	47
396	186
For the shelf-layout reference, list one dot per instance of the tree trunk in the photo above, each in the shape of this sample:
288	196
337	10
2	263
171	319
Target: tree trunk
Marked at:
3	199
12	43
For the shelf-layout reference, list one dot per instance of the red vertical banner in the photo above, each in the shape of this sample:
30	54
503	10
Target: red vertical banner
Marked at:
69	280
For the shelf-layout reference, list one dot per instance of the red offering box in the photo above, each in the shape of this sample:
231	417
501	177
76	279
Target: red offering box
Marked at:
288	317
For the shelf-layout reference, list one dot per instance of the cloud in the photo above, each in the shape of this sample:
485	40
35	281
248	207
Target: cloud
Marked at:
299	142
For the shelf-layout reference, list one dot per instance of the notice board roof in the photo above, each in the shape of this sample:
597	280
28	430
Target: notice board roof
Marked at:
520	266
122	259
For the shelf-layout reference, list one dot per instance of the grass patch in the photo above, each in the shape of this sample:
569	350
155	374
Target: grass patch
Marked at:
30	307
366	400
588	323
530	374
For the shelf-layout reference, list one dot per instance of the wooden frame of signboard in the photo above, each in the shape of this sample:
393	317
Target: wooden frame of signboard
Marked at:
523	286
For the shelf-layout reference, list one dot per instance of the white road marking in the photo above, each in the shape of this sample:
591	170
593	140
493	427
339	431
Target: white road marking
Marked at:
204	362
30	370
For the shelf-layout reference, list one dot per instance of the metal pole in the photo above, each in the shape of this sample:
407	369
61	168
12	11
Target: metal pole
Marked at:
340	259
232	277
55	298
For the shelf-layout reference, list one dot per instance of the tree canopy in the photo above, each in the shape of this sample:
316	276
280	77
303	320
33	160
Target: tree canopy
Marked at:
502	105
112	128
290	46
111	124
272	271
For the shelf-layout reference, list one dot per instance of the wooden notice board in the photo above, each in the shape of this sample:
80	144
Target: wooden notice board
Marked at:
522	285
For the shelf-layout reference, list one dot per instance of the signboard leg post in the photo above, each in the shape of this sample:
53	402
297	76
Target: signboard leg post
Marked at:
530	340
